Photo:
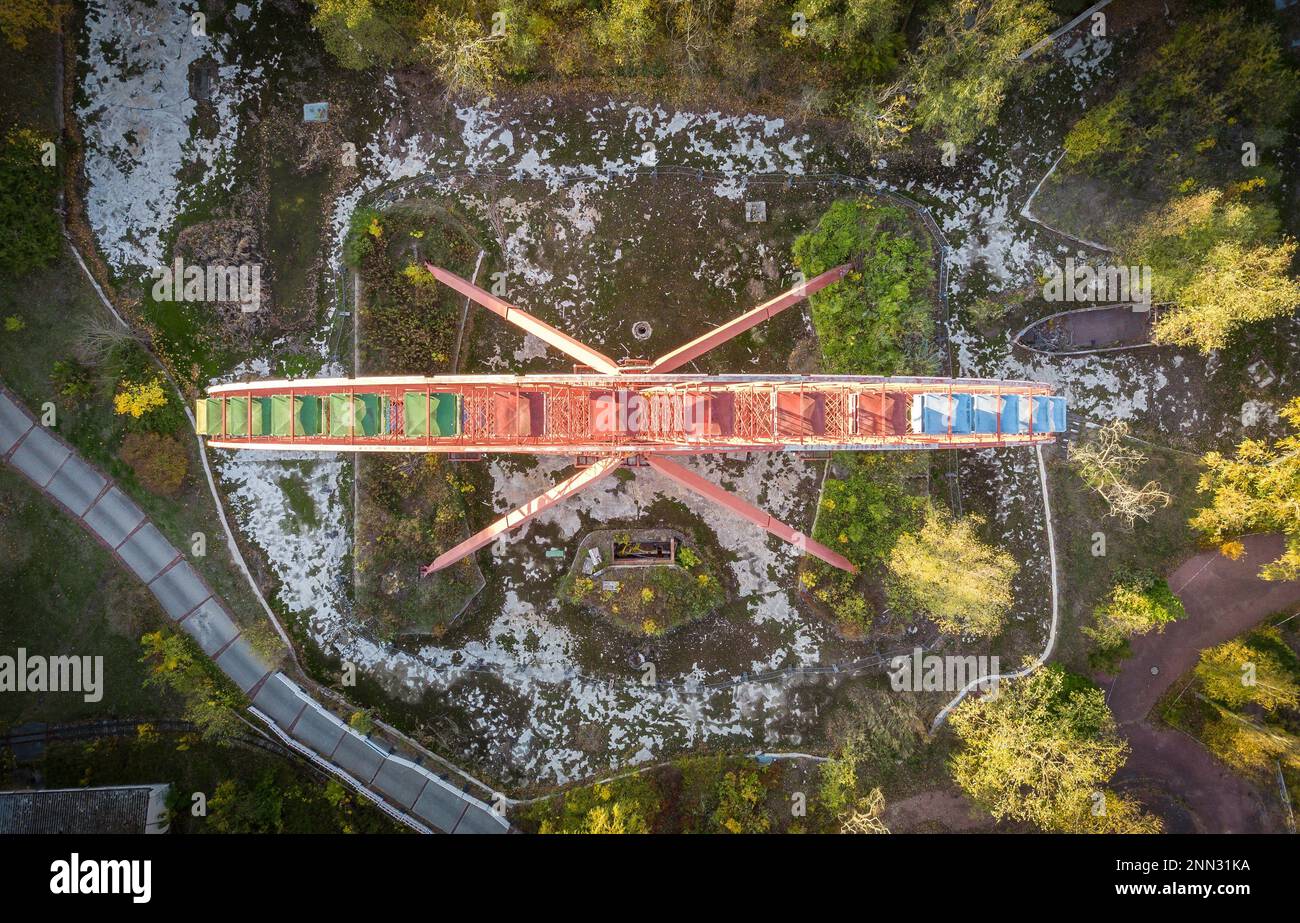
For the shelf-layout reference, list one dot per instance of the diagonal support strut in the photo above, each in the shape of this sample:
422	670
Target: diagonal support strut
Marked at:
517	517
692	481
751	318
522	319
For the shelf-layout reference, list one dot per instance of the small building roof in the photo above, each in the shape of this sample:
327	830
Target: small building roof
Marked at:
110	809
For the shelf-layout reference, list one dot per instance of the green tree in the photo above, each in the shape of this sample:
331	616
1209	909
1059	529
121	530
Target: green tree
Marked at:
968	63
623	32
465	54
863	38
1135	605
19	17
1223	263
1221	80
364	33
866	509
235	808
947	572
211	702
1042	750
1256	489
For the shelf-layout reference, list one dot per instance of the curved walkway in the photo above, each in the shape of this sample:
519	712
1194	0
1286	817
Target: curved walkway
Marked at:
408	791
1223	599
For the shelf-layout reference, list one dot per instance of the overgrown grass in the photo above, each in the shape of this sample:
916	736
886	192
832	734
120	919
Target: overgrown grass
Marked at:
62	593
244	789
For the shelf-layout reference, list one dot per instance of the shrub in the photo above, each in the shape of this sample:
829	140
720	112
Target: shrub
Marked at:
581	588
362	721
135	399
840	594
877	320
71	379
160	462
628	805
29	224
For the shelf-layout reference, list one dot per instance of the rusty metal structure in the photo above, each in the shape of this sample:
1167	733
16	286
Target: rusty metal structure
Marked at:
638	413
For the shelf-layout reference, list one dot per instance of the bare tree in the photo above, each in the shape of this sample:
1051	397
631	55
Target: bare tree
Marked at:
866	817
1107	463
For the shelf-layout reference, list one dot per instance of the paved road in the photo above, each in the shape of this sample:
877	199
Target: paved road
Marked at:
99	506
1223	598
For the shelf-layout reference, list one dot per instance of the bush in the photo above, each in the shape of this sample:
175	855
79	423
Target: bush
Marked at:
877	320
137	398
628	805
741	803
29	223
71	379
160	462
359	242
947	573
1136	605
840	593
863	513
362	721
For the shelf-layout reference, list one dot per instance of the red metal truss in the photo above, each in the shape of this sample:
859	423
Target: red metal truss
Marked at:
638	413
613	413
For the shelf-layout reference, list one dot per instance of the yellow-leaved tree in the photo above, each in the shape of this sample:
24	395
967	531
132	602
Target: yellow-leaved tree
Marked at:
19	17
1221	261
946	572
1042	751
1256	489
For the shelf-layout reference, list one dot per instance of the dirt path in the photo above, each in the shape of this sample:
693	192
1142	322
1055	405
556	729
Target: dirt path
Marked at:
1223	598
946	810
